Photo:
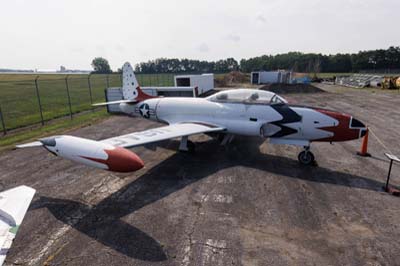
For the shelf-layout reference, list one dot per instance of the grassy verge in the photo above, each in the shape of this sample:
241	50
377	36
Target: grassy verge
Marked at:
331	75
19	99
55	127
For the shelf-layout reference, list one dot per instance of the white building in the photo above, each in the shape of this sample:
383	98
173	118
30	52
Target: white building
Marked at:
263	77
203	82
185	86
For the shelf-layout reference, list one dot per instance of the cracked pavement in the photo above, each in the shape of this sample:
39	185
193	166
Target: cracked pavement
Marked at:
249	203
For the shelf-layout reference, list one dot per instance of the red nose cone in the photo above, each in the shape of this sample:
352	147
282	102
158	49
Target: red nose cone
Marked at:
123	160
345	130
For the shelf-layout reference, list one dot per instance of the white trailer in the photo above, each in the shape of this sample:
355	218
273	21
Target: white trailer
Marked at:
264	77
115	94
185	86
171	91
203	82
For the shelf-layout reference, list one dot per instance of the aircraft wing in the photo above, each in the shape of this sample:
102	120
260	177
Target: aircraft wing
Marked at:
161	133
14	203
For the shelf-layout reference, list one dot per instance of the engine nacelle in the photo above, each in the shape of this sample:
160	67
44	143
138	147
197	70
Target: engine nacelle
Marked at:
93	153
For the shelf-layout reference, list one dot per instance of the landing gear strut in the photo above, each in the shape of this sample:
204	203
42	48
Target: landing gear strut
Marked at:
306	157
186	145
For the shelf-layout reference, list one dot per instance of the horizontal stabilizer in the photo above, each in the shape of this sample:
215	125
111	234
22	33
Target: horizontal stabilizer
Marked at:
14	204
29	145
114	102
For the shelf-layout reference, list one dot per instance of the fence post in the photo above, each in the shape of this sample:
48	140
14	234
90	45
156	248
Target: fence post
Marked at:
38	97
69	98
2	122
90	92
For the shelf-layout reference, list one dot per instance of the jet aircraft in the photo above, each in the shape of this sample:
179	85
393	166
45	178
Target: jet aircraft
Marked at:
248	112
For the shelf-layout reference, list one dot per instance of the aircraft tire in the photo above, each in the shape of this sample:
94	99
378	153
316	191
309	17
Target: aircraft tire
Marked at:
306	158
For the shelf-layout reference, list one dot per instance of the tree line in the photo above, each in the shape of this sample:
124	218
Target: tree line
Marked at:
380	59
166	65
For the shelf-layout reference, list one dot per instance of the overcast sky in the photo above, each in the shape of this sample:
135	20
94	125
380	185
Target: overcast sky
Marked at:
45	34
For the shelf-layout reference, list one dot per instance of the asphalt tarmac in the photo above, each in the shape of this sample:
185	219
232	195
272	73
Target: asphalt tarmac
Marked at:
249	203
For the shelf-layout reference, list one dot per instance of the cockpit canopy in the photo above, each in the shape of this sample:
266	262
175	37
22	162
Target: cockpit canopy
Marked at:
246	96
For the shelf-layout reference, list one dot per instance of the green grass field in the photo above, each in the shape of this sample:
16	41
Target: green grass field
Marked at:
55	127
331	75
20	106
19	102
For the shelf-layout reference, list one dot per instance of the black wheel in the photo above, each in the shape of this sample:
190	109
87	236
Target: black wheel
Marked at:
306	158
191	146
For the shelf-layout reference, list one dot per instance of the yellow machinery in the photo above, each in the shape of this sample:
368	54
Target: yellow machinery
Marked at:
391	83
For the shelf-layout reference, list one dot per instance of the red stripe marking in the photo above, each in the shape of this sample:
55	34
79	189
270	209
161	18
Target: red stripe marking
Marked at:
342	131
143	96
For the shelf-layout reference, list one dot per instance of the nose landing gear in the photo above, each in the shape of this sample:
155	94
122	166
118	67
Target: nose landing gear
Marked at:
306	157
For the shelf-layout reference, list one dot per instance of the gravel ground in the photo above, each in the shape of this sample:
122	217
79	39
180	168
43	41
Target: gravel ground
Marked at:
249	203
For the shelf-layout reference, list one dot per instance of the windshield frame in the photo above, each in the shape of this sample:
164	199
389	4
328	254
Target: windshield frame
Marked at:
219	97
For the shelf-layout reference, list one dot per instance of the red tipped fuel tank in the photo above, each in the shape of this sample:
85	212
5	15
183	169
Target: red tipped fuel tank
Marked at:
93	153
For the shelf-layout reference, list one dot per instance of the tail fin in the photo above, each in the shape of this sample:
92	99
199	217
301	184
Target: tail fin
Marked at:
129	82
130	86
14	204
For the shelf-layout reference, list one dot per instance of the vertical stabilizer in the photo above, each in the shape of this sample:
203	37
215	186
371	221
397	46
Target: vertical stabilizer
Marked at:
14	204
130	84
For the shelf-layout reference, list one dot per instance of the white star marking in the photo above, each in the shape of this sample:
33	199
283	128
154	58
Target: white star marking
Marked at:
145	111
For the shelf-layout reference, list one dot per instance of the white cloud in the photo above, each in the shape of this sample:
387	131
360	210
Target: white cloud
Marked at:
233	37
203	48
120	48
261	18
45	34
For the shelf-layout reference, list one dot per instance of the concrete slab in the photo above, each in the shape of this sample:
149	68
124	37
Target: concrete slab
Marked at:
248	204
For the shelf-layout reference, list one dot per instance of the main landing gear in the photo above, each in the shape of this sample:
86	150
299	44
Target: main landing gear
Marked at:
186	145
306	157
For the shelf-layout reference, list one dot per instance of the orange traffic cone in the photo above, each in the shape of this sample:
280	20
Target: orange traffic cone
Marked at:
393	191
364	146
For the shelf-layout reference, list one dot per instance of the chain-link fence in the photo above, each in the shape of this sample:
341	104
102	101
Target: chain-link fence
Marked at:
35	99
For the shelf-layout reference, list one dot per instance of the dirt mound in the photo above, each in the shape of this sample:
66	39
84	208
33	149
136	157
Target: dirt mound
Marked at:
232	78
291	88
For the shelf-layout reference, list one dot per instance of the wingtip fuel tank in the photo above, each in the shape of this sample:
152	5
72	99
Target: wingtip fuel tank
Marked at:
93	153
